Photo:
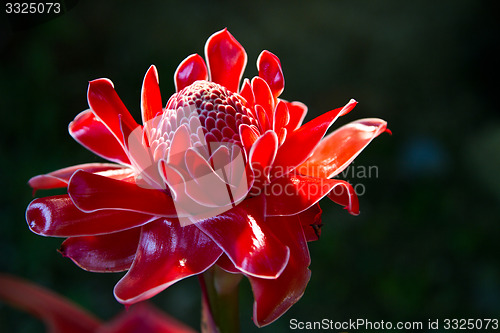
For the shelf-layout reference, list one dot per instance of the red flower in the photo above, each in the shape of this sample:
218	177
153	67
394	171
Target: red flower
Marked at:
221	175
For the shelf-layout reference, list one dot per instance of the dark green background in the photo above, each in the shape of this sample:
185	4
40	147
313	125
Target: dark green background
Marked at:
426	244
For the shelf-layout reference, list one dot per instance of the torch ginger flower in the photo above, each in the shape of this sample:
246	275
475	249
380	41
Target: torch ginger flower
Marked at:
223	175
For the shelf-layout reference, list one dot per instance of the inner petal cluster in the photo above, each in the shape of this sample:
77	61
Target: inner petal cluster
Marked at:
210	112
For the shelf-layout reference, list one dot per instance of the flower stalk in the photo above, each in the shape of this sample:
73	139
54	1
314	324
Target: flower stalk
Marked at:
220	309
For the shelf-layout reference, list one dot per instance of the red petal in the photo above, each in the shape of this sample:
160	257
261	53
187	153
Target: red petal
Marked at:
151	104
105	253
144	318
247	93
60	178
292	194
191	69
336	151
300	144
167	253
274	297
269	67
264	98
59	314
261	157
297	111
246	239
88	131
109	108
57	216
310	219
344	195
92	192
226	59
248	137
225	263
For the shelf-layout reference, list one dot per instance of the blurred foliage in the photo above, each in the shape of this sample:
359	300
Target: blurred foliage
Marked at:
426	243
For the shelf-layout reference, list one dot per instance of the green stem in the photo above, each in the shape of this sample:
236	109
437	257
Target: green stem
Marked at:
220	310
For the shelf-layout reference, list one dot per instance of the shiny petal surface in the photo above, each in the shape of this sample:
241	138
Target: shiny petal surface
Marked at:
226	59
336	151
144	318
167	253
92	192
60	315
264	98
60	178
191	69
246	239
113	252
274	297
292	194
269	67
57	216
109	108
151	104
91	133
299	144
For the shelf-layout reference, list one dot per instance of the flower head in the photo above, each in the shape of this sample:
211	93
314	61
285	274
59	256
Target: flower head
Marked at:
225	174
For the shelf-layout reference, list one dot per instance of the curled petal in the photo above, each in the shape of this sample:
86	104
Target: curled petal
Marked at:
292	194
151	104
269	67
92	192
336	151
226	59
344	195
191	69
246	239
167	253
91	133
299	144
57	216
109	108
60	178
104	253
274	297
59	314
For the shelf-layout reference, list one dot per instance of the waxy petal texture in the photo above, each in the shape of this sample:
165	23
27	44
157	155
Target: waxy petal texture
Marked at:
226	59
91	192
292	194
269	67
109	108
167	253
91	133
300	144
151	104
247	240
61	177
57	216
346	143
191	69
273	297
113	252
